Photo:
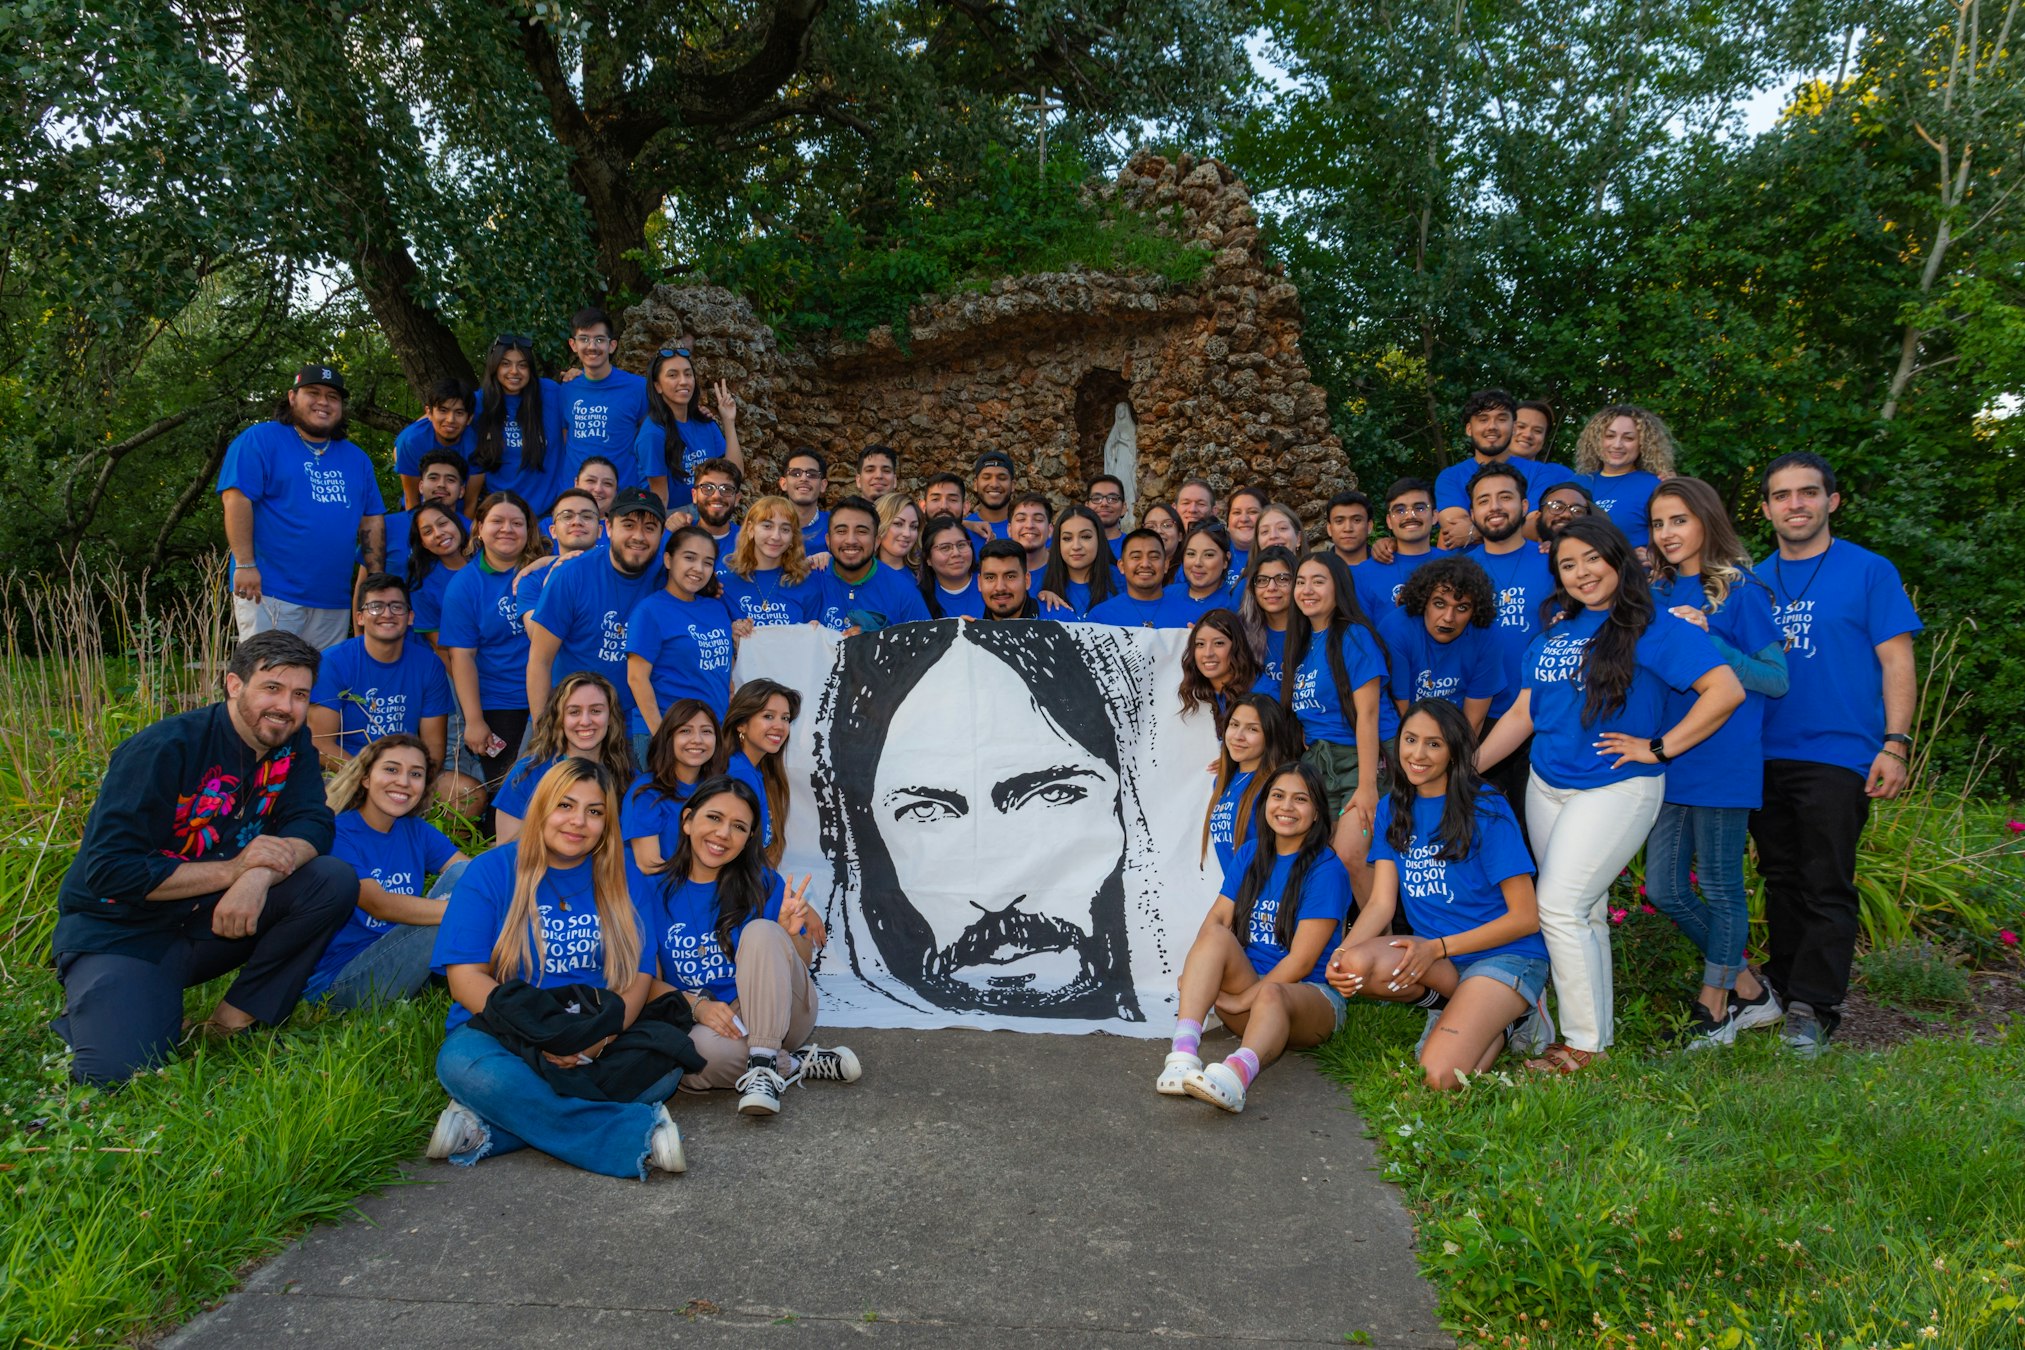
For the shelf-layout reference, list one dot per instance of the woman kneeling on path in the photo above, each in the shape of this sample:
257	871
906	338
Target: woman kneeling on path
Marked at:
1261	952
1449	849
719	897
552	909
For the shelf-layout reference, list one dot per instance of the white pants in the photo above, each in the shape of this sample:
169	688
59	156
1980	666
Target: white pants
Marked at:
1582	838
320	628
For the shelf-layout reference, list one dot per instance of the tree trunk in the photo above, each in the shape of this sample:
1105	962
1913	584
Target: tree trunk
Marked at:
422	342
619	213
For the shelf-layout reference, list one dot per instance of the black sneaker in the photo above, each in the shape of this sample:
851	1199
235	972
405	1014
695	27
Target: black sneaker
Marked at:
1761	1011
1705	1031
761	1086
826	1066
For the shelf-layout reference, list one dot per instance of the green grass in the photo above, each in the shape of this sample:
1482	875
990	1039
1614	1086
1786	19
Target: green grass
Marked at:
1731	1200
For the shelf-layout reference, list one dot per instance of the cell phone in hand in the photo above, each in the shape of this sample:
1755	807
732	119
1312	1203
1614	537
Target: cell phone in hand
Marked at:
494	745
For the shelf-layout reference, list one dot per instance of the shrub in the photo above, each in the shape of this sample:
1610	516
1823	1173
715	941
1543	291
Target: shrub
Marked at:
1914	974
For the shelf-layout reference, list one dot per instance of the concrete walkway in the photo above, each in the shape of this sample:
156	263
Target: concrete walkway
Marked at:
974	1189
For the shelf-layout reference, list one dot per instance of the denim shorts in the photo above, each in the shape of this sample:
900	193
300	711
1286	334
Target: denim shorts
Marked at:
1526	975
1337	1002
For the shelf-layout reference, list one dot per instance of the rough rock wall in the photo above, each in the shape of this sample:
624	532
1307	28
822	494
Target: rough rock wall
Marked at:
1036	366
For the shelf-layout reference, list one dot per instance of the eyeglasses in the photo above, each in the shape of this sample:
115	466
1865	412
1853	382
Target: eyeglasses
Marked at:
508	341
667	352
1402	509
575	517
1276	581
397	608
1564	509
1107	497
717	489
591	341
801	474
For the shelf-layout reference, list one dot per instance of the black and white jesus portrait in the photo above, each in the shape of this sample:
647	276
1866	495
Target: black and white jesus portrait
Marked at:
977	791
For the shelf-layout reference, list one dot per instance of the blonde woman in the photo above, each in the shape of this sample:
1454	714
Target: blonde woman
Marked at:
582	719
900	533
382	952
1621	455
768	578
553	908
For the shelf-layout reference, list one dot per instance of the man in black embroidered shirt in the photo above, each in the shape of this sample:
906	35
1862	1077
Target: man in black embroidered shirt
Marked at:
205	852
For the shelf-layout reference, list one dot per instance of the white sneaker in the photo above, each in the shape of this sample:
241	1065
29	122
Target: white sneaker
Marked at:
837	1065
1759	1012
664	1146
1179	1064
457	1131
1218	1085
761	1087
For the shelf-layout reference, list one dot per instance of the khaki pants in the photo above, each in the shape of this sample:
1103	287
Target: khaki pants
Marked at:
776	1001
320	628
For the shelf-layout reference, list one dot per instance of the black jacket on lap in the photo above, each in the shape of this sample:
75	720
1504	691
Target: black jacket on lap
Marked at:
563	1020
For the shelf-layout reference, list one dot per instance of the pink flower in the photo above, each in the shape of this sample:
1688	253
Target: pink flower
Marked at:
1641	892
2015	826
2008	938
1693	879
1618	915
1648	909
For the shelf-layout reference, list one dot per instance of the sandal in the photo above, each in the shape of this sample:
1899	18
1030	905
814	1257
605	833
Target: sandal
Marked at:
1564	1059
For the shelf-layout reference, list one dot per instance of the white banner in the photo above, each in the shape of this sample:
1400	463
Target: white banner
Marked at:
1003	821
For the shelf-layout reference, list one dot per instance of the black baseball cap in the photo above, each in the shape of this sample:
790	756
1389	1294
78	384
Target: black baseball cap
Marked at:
989	458
636	499
320	374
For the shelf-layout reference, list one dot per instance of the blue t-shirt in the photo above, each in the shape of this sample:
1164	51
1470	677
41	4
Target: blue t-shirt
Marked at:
816	534
418	438
1316	702
1235	573
1441	898
1378	584
1451	485
746	772
885	597
965	604
517	789
700	439
685	935
646	812
603	417
400	529
688	644
1178	609
1470	667
375	699
585	605
1000	529
572	949
1521	583
1626	499
1273	675
1835	618
481	612
537	487
1727	769
303	504
1223	819
1122	611
427	598
1672	654
399	860
768	600
1077	594
1325	894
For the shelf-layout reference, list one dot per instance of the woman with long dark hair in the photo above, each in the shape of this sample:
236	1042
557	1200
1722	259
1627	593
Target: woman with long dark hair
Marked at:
485	638
679	640
552	909
439	545
676	411
1216	665
1266	604
686	750
1704	578
519	429
1166	522
736	940
949	570
1205	564
1079	573
1260	955
1449	851
1257	734
756	728
1593	697
582	721
1334	682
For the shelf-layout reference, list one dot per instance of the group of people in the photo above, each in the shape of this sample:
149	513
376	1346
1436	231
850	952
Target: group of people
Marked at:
1440	745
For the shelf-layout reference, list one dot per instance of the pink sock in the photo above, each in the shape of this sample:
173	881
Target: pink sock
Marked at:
1245	1065
1187	1036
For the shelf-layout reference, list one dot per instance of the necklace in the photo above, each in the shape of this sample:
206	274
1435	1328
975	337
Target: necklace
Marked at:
315	447
1146	615
1510	573
1779	578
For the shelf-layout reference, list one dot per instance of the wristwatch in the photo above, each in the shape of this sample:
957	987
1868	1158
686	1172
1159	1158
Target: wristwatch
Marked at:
1898	737
1658	747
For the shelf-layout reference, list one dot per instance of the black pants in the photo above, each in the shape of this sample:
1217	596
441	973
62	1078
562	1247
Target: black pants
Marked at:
1806	834
510	725
124	1012
1509	777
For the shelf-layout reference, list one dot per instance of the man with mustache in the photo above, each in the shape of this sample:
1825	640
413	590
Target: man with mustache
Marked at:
204	853
1520	582
717	489
579	623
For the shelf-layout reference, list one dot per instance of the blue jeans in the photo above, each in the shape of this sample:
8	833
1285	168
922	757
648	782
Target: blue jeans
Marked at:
516	1108
396	965
1710	840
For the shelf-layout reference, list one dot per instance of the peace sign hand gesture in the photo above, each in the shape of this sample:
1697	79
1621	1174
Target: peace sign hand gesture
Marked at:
798	917
727	406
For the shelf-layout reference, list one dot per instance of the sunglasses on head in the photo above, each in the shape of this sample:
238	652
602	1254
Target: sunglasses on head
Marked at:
508	341
674	351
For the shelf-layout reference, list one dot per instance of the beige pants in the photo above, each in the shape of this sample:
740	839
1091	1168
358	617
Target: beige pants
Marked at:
776	1001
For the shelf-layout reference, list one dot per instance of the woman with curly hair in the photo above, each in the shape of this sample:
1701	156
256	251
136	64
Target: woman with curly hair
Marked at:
899	533
768	578
1621	455
1438	640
